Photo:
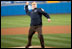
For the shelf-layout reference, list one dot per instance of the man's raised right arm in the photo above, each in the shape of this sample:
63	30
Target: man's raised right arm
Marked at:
26	9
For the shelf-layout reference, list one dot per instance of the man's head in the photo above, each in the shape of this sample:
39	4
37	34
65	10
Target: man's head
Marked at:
34	5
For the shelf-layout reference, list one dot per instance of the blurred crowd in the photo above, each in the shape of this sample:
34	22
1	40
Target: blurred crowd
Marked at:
23	2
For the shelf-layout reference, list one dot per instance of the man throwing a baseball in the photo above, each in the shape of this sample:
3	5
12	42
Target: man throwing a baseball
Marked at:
36	22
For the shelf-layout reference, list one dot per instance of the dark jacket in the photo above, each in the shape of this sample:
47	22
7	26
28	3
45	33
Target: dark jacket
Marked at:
36	15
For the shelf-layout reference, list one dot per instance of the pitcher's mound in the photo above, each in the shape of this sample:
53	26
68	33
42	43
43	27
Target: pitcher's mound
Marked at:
32	47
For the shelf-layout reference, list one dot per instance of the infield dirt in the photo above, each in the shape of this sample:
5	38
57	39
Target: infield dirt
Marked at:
45	30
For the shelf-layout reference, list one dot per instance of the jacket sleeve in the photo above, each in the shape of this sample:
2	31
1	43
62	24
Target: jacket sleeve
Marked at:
44	13
27	11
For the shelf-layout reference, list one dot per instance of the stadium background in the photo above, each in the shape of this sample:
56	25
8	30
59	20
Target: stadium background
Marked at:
15	24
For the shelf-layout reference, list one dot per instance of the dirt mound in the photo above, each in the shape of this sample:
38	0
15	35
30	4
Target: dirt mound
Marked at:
32	47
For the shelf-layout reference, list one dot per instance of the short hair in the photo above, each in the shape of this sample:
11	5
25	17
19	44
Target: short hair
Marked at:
33	2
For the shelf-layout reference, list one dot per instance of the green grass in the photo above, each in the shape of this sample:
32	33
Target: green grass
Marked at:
51	40
24	21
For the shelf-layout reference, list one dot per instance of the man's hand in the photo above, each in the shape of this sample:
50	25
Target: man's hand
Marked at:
27	3
49	20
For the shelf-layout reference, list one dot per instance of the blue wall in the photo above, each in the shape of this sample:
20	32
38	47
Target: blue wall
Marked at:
55	8
52	8
12	10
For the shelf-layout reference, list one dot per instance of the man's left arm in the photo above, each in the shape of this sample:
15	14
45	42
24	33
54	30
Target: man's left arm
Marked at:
45	14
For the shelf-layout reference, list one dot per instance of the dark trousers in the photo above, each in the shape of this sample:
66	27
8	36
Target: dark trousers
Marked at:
32	30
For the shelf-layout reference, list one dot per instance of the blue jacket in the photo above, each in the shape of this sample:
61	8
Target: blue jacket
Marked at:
36	15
